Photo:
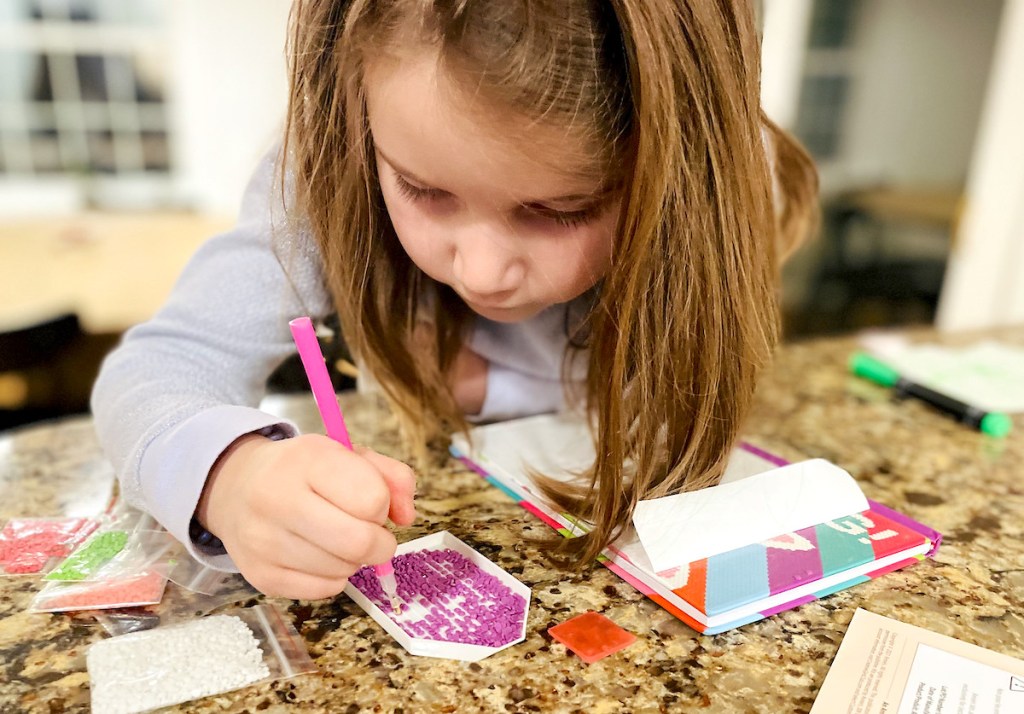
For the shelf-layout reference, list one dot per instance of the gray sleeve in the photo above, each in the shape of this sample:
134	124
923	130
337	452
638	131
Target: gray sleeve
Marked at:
184	385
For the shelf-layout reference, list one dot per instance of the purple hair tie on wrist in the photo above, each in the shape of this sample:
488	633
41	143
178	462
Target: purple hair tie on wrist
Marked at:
203	538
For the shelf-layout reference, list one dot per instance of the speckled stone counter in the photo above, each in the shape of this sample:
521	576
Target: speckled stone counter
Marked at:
967	486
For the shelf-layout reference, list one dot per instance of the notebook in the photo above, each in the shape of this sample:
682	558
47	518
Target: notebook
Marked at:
721	590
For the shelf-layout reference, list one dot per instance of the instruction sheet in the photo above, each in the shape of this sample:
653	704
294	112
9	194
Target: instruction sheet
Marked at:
887	667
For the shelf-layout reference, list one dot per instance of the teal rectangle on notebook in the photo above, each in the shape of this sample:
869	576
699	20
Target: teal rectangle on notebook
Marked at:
736	578
841	550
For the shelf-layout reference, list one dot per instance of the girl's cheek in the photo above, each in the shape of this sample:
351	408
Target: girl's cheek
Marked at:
421	245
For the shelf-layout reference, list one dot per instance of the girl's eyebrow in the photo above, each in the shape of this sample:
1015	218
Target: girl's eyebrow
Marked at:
399	169
599	194
594	197
590	198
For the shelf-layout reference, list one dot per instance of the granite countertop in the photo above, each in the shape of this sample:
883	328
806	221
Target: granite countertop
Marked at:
967	486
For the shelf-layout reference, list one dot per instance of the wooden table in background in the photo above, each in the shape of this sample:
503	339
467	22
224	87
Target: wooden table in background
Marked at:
113	270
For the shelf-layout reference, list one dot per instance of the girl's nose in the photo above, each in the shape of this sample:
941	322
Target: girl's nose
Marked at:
486	262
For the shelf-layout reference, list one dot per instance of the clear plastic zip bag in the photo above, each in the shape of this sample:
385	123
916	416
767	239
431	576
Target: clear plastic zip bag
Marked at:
124	621
110	553
200	591
220	585
125	590
30	546
178	663
135	575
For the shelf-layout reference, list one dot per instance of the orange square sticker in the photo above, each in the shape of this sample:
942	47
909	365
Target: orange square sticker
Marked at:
592	636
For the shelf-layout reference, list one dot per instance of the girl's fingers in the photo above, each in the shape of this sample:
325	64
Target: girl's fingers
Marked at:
296	585
353	484
321	523
401	483
296	553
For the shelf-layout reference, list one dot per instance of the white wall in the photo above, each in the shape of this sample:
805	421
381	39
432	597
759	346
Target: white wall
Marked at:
227	91
783	49
984	284
920	69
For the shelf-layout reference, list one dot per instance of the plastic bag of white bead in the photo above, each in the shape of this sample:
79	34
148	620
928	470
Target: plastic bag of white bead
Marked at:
211	655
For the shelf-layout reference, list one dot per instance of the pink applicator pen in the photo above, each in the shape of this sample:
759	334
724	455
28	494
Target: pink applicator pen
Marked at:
327	404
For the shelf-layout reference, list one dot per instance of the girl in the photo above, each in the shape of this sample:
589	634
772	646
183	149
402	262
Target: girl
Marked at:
513	206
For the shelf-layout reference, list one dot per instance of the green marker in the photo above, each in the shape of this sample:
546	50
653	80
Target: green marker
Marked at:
991	423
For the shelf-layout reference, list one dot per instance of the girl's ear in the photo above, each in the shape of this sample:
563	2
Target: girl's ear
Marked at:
795	189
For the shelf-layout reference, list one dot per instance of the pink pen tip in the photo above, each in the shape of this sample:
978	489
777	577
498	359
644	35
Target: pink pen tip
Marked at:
386	575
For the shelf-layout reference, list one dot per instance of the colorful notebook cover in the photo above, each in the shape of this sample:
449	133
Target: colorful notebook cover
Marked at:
740	586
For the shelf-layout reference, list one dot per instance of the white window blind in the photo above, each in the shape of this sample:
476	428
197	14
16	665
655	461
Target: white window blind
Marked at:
82	94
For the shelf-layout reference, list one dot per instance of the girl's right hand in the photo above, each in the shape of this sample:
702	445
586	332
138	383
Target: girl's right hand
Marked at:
299	516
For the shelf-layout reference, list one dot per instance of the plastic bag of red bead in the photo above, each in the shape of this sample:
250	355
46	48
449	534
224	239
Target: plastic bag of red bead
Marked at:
31	546
144	588
105	573
455	603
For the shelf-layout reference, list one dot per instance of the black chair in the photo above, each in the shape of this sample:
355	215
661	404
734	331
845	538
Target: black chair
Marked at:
37	379
28	346
47	369
876	276
290	378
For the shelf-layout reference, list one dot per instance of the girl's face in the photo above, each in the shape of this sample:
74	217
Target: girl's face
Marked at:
505	213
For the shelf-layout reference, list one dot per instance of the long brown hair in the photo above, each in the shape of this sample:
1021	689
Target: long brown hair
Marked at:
687	315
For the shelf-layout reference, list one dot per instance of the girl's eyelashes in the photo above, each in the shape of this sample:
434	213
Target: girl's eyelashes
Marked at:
417	193
565	219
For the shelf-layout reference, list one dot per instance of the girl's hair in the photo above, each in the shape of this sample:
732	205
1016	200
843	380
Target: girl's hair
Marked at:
667	94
